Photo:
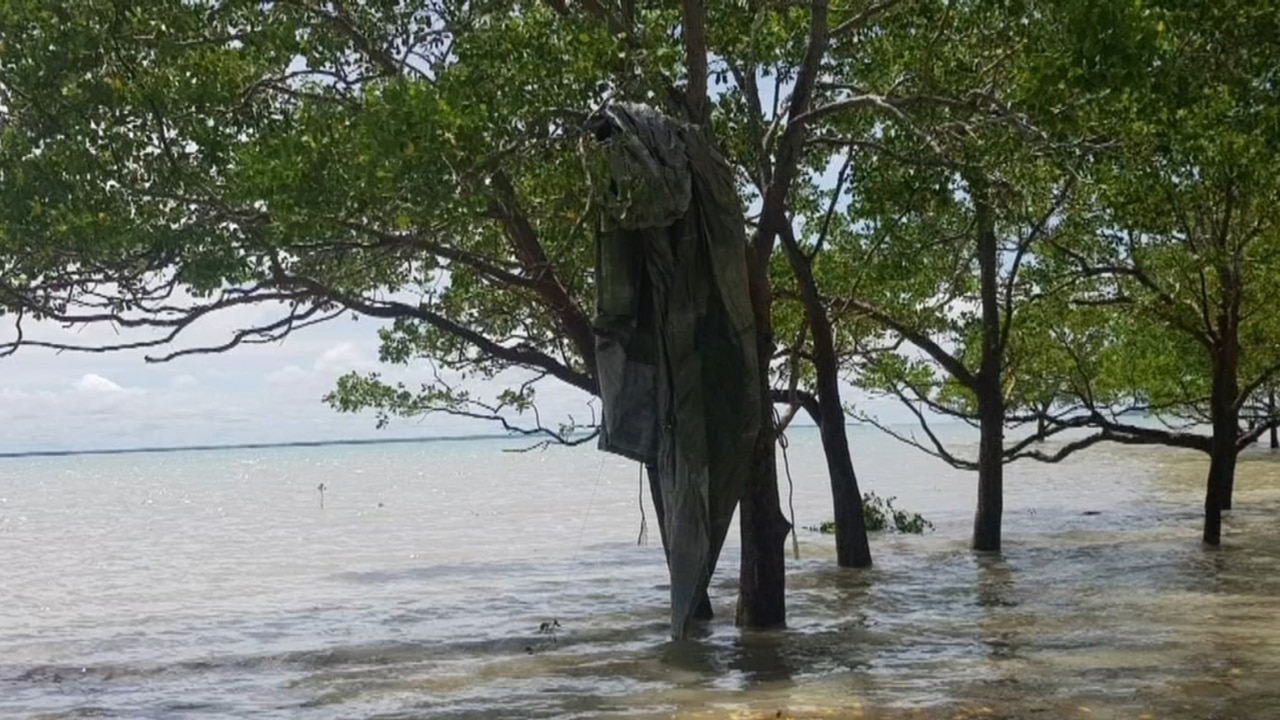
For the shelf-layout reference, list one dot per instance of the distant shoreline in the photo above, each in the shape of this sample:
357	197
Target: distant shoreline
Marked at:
144	450
252	446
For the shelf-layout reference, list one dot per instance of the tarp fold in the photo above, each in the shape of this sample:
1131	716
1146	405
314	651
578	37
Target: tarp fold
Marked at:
675	334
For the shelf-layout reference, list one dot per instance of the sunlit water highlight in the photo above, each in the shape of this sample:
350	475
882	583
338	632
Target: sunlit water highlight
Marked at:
212	585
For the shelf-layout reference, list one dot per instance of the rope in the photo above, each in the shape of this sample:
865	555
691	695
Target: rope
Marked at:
644	523
590	506
791	486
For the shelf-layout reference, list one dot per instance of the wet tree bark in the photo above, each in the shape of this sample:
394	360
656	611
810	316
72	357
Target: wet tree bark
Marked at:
762	574
1226	479
987	521
852	548
1222	465
1226	428
1271	413
762	577
703	610
1223	405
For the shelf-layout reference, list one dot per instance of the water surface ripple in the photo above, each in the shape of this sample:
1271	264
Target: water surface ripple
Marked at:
212	585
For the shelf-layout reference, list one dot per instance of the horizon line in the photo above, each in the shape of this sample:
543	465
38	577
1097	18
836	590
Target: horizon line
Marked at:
210	447
141	450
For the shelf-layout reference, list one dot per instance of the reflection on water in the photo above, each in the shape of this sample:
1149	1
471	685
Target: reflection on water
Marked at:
229	600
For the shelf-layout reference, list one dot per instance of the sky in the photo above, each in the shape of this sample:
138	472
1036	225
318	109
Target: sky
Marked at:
253	393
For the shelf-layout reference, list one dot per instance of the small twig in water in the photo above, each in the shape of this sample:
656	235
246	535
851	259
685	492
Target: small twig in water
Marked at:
547	628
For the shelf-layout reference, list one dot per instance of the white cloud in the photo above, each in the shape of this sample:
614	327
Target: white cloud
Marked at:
340	358
95	383
289	375
185	380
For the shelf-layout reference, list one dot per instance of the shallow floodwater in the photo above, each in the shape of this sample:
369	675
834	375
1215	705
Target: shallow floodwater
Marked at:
213	585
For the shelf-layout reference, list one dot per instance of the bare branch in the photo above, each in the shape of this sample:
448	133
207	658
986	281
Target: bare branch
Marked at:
802	398
791	145
746	81
522	355
538	267
1138	435
949	362
483	266
1068	449
341	19
936	448
831	207
1251	436
1263	378
1035	232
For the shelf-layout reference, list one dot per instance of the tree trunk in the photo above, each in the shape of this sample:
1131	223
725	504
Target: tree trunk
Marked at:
989	391
1226	480
1271	414
1223	408
1226	429
852	548
762	601
987	521
1223	451
1222	466
703	610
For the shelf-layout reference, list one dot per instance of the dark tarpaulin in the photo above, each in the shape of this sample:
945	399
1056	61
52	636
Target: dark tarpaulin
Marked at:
675	343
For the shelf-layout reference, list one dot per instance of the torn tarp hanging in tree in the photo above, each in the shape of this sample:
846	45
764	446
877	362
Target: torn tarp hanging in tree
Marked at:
675	344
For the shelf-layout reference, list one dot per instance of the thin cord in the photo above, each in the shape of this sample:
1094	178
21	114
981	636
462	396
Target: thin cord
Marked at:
590	505
550	626
644	523
791	486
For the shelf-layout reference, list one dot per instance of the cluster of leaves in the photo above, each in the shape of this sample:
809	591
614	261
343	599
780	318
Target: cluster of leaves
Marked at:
880	515
423	163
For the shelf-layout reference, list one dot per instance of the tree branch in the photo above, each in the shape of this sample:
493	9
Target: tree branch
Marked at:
803	398
746	81
949	362
859	21
1263	378
528	248
831	207
1024	245
1138	435
695	47
938	449
522	355
791	145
